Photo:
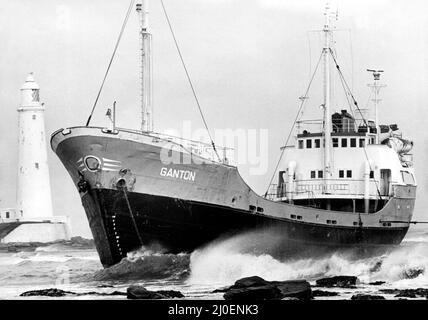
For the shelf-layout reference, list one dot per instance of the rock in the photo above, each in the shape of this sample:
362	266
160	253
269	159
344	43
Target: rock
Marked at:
267	292
367	297
94	293
82	242
321	293
257	288
170	294
52	292
224	289
300	289
254	281
139	292
338	281
390	291
377	283
408	293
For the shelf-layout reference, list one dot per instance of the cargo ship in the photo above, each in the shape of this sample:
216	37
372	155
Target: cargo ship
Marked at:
344	181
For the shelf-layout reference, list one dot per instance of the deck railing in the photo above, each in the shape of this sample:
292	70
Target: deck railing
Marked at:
202	149
318	187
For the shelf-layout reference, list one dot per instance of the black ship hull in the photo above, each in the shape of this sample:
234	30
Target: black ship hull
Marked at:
126	221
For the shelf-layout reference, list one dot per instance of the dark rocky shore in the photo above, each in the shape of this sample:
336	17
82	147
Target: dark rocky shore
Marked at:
76	242
257	288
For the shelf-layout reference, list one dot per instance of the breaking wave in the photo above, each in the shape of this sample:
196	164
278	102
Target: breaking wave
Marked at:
223	262
145	263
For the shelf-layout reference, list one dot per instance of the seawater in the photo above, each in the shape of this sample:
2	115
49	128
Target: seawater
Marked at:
214	266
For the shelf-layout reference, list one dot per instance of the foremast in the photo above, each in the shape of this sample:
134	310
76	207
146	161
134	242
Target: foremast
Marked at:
146	68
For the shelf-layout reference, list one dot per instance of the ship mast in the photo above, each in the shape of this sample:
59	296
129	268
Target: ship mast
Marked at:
327	107
376	86
146	68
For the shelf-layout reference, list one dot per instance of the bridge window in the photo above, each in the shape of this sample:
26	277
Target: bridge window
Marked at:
341	173
344	142
320	174
349	173
372	174
309	143
300	144
7	215
317	143
362	143
312	174
335	142
353	142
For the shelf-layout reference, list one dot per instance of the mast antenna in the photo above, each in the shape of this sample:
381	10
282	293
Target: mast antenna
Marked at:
146	68
375	87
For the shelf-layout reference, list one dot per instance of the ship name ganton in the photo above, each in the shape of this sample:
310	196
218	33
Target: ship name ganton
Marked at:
178	174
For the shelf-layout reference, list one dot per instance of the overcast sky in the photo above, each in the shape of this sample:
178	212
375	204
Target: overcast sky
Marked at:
250	60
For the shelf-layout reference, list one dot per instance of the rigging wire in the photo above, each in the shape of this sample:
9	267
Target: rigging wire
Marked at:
294	123
128	12
189	79
352	59
359	110
310	53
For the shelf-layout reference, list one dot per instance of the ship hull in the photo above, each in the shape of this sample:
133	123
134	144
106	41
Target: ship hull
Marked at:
176	225
132	200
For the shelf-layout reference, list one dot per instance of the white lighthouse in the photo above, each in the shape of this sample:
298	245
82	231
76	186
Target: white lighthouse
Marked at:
33	220
33	189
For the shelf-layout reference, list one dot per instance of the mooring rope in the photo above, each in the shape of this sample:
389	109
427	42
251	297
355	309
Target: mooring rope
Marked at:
132	215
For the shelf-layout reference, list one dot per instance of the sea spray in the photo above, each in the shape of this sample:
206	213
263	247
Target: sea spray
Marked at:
405	266
145	263
225	261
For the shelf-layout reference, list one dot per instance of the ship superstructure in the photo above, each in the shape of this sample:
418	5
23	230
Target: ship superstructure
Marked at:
347	160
